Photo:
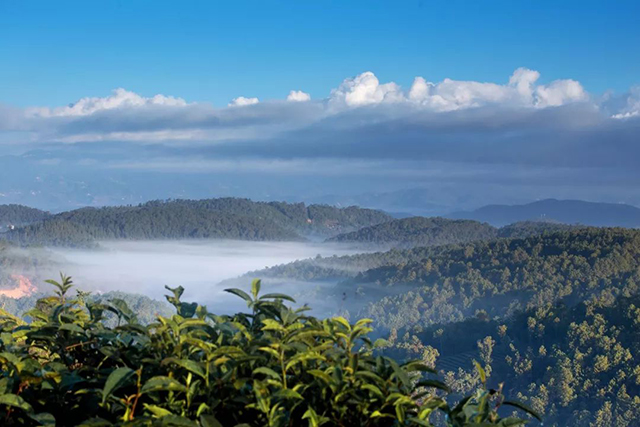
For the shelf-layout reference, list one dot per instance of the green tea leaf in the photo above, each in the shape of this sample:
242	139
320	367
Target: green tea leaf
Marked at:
116	379
15	401
161	383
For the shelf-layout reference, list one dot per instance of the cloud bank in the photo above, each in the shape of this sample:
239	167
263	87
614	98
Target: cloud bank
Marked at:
520	132
125	115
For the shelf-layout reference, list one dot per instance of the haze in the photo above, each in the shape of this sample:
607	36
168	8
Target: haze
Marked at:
145	267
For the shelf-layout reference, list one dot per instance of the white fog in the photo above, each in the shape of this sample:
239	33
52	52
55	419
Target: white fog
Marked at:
145	267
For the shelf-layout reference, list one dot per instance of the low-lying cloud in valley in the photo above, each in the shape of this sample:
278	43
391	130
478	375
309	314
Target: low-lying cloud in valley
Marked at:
145	267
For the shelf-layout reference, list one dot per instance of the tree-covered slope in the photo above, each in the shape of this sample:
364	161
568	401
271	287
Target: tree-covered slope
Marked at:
524	229
577	366
17	215
186	219
505	275
335	268
419	231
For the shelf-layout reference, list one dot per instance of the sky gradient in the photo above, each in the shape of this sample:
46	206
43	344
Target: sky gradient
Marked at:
54	53
424	106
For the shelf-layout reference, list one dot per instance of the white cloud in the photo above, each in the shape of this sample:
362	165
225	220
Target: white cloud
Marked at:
420	89
521	91
560	92
632	107
449	95
523	80
365	89
241	101
127	116
298	96
120	98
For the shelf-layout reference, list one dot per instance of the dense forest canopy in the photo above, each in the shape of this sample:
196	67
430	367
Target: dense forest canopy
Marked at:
227	218
340	267
524	229
17	215
576	366
505	275
419	231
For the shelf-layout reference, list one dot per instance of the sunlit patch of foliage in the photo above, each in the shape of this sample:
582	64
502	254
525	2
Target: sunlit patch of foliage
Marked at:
273	366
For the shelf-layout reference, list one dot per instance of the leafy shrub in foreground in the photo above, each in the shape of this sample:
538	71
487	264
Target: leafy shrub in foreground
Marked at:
274	366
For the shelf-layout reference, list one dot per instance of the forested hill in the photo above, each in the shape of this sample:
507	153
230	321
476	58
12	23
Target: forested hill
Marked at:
576	366
322	269
524	229
17	215
419	231
565	211
504	276
449	283
183	219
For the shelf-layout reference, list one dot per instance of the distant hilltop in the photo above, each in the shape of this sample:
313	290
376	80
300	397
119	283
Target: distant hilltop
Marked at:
224	218
563	211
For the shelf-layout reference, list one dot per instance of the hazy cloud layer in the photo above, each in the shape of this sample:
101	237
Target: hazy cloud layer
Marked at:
197	265
515	133
125	115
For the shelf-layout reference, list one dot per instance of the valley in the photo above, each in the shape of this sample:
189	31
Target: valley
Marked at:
514	290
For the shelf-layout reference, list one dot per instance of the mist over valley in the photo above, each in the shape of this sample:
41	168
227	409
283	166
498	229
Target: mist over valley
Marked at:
145	267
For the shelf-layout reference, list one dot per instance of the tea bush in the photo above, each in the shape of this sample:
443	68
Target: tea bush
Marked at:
273	366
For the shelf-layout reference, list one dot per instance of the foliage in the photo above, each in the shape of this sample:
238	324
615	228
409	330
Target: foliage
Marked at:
349	266
504	276
15	215
578	366
524	229
426	285
272	366
419	231
188	219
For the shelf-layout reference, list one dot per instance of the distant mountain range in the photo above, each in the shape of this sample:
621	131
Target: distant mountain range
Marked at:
563	211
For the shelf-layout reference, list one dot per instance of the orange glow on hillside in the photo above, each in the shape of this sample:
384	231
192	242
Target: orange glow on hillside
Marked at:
23	288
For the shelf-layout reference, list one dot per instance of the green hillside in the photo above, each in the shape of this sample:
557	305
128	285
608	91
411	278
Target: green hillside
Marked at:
195	219
419	231
17	215
505	275
576	366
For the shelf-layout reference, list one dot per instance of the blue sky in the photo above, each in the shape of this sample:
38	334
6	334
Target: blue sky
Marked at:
466	102
53	53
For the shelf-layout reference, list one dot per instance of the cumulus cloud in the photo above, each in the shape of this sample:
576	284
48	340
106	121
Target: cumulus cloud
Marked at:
120	98
520	91
517	121
241	101
550	139
125	115
365	89
448	95
560	92
298	96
